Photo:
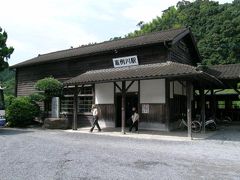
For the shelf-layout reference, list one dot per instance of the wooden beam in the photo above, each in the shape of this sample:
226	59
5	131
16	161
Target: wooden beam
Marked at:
123	105
203	104
182	83
189	108
129	85
207	92
115	84
237	91
81	89
75	99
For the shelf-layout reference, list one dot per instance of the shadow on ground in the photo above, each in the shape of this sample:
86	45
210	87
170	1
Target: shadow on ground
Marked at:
227	133
13	131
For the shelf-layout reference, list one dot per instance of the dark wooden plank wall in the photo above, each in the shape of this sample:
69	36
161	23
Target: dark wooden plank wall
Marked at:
107	112
63	70
180	53
156	114
178	105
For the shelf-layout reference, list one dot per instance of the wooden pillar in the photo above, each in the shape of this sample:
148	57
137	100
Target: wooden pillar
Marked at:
212	105
75	99
139	91
167	109
189	108
123	105
203	113
93	92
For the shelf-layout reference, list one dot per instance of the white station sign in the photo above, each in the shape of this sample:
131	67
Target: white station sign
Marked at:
125	61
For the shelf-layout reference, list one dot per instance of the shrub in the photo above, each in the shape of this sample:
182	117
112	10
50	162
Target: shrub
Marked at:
37	97
8	99
21	112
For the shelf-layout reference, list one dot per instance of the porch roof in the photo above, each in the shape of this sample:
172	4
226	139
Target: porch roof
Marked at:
168	69
225	72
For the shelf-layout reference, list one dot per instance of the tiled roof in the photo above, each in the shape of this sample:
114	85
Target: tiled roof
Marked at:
151	38
228	71
148	71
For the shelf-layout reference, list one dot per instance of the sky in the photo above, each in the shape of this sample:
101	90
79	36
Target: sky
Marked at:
42	26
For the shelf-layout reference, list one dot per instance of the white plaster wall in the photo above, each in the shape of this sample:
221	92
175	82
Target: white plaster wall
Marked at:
152	91
133	88
104	124
178	88
104	93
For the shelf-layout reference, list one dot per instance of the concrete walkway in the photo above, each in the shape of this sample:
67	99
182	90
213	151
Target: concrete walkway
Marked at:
148	134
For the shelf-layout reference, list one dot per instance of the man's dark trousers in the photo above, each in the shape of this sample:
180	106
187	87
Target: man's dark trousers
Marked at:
135	124
95	122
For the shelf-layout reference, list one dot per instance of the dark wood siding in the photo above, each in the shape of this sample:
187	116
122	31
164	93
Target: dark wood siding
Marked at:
156	114
107	112
178	106
63	70
180	53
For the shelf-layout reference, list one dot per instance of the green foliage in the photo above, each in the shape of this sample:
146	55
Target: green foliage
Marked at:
5	51
50	87
215	26
8	99
21	112
37	97
7	81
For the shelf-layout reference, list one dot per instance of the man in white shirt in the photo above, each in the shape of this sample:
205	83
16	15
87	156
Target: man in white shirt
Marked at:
95	118
135	120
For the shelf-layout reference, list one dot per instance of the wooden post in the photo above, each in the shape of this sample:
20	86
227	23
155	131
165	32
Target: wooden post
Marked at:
123	105
203	116
167	96
189	108
139	91
212	105
75	99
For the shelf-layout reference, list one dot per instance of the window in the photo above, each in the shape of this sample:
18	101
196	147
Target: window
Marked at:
221	104
85	104
85	100
235	104
67	100
67	104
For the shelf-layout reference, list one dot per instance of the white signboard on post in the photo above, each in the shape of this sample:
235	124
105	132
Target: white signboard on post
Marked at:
145	108
125	61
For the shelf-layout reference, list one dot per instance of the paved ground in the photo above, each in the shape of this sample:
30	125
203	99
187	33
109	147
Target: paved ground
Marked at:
48	154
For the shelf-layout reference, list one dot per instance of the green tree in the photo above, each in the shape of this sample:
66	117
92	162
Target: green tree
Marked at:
215	26
48	88
7	81
5	51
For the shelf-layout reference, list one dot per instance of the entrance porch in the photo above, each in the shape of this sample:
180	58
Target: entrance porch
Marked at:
152	85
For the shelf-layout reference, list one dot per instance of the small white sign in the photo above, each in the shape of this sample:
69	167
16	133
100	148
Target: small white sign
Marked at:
145	108
125	61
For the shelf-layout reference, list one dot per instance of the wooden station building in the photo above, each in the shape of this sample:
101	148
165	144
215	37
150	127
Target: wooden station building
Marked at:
157	73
